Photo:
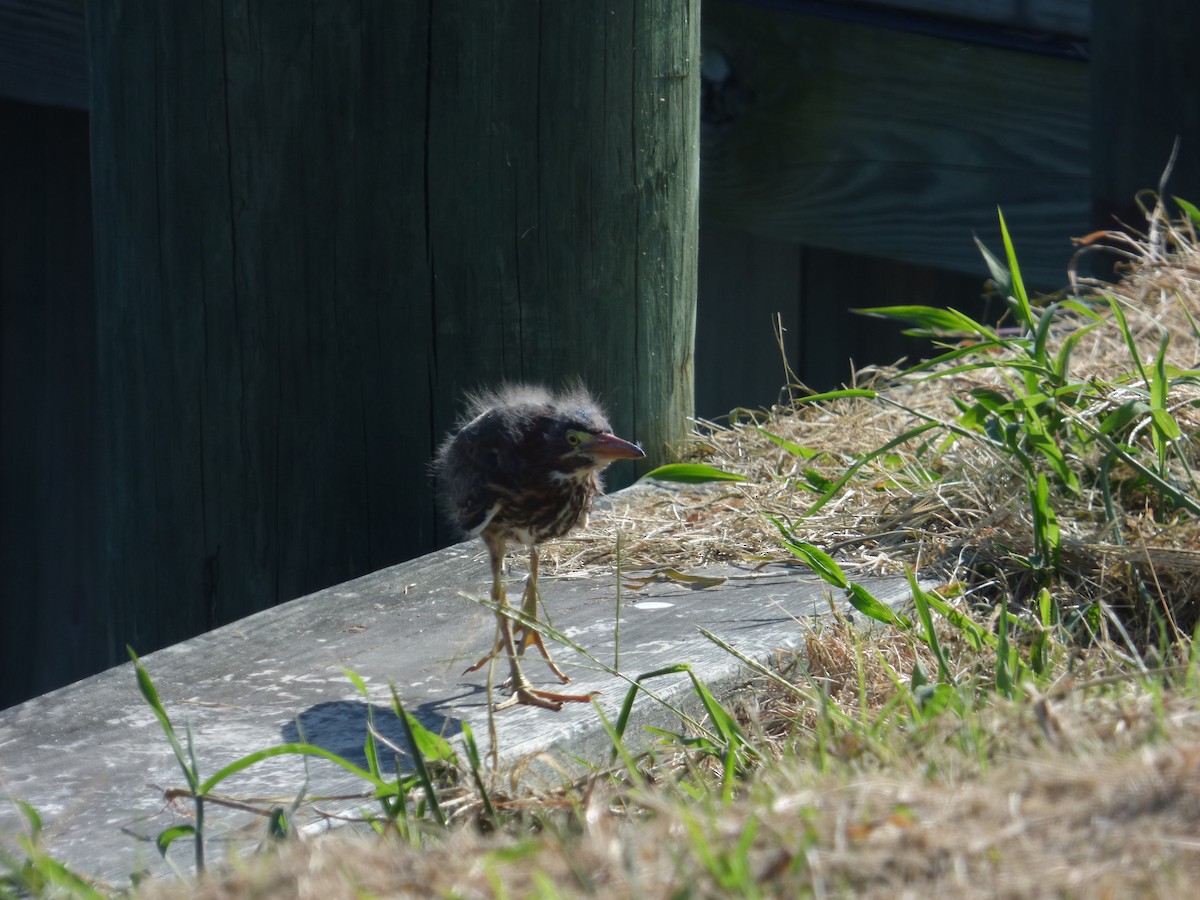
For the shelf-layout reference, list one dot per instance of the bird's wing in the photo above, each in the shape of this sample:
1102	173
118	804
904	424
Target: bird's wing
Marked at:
473	470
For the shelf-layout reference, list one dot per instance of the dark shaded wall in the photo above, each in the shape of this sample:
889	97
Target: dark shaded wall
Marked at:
1143	98
317	226
51	629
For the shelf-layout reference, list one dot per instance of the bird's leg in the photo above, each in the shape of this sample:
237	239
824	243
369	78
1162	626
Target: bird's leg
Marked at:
522	691
496	549
529	607
523	634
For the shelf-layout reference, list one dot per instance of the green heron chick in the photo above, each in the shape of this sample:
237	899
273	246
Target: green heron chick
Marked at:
524	469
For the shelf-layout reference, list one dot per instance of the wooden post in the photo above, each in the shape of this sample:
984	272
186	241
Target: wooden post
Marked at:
317	226
1144	70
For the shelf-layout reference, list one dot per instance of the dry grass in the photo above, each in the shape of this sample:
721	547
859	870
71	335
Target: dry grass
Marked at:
1096	793
1085	782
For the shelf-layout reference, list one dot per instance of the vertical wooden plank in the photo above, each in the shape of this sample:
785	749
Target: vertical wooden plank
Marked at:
264	314
317	225
563	188
832	337
49	621
745	281
666	160
1143	72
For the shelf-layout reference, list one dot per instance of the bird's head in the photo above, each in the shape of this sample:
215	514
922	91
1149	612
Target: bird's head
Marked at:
582	441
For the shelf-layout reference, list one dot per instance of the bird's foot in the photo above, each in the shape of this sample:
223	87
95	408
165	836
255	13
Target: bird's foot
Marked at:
531	696
479	665
532	636
524	638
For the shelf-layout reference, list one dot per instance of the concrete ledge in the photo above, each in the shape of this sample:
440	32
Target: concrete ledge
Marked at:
92	759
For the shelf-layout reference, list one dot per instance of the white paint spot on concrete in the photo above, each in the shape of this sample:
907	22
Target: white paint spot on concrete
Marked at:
652	604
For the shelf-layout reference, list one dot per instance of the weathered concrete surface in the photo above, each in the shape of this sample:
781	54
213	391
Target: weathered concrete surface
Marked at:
92	758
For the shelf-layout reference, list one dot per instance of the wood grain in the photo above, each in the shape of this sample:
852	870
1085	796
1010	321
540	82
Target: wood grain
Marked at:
49	497
318	226
1143	92
889	144
278	676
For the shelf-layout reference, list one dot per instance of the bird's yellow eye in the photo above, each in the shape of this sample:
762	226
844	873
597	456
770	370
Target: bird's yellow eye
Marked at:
574	438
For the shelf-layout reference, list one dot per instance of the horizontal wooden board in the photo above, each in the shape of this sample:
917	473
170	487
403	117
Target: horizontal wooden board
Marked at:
1064	17
43	52
884	143
92	758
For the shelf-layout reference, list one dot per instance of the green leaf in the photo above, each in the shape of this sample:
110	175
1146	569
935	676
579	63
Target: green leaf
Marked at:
357	681
1020	298
476	767
921	601
816	559
429	745
867	604
815	481
170	835
791	447
418	754
843	394
991	399
691	473
978	636
934	319
1166	429
996	269
382	787
1165	424
32	817
1125	414
277	824
932	700
863	460
1127	334
150	694
1190	209
1046	534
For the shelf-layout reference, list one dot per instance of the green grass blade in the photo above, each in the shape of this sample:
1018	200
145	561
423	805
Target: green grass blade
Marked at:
850	472
921	601
1190	209
1127	334
934	320
294	749
627	706
867	604
1023	310
473	759
842	394
996	269
357	681
418	757
170	835
150	694
791	447
691	473
815	558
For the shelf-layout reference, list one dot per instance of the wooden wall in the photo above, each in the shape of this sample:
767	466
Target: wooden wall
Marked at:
51	629
747	280
318	226
849	153
885	142
1143	99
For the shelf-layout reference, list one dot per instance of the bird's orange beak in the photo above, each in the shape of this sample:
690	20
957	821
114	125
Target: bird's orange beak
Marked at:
608	447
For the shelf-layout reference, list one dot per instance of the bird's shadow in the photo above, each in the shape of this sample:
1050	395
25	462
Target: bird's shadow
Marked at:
341	727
